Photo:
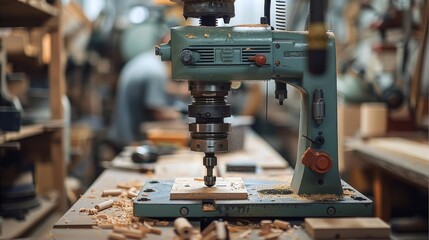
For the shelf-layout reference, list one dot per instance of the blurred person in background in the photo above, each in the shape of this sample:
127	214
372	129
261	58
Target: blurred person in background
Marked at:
142	87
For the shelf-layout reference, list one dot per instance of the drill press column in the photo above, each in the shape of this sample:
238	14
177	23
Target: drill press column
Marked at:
209	133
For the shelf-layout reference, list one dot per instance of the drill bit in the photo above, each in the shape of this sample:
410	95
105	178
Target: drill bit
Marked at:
210	161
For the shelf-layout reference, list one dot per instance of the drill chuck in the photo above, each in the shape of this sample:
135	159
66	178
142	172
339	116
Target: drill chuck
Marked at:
209	133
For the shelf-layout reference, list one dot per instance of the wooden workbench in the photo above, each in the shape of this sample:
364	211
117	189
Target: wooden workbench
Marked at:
78	225
406	158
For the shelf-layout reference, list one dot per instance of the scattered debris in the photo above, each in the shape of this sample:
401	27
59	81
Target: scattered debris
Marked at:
265	227
276	191
101	216
320	197
245	234
132	194
116	236
183	228
104	205
162	223
150	229
130	233
283	225
127	185
283	190
105	226
216	230
92	211
111	192
273	235
209	207
190	36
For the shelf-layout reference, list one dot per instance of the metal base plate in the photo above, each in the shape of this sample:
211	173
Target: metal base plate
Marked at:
154	201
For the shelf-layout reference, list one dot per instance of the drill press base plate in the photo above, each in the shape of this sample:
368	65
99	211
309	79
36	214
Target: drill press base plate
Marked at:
265	199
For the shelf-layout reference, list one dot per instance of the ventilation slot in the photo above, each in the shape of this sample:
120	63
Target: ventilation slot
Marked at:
252	51
280	14
206	55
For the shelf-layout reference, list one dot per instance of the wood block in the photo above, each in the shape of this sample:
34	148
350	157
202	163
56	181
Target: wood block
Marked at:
227	188
345	228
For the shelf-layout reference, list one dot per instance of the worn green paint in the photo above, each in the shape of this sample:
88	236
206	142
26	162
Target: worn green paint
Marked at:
159	204
221	56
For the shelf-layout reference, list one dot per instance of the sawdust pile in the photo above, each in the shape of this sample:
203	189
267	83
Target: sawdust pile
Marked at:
276	191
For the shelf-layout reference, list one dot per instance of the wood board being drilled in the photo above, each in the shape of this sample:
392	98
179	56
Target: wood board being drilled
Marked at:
229	188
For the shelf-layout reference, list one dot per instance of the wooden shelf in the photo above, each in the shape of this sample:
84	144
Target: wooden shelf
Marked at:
12	228
44	142
25	13
30	131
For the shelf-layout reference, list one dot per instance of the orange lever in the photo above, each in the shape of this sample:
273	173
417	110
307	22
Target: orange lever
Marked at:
319	162
259	59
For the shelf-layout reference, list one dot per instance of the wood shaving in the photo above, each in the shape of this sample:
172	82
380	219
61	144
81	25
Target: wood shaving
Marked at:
132	194
162	223
121	214
285	191
120	229
245	234
104	205
116	236
111	192
105	226
349	193
190	36
319	197
233	229
148	224
155	231
130	184
209	208
280	224
137	225
83	210
92	211
101	216
272	236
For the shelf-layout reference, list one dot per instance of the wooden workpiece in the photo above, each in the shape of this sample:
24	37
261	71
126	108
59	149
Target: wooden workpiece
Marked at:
194	188
346	228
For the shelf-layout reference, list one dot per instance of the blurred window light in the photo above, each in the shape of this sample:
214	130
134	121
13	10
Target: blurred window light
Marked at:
92	8
138	14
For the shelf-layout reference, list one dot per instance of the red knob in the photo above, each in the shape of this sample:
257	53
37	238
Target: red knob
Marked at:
319	162
259	59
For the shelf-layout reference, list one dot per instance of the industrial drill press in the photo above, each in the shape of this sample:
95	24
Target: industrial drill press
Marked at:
209	57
